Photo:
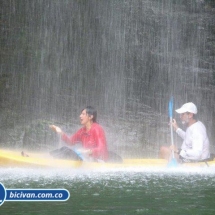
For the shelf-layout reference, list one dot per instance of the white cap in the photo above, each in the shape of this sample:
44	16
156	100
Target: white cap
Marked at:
187	107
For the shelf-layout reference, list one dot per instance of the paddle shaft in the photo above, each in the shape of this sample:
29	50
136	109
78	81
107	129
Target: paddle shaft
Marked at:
172	141
171	127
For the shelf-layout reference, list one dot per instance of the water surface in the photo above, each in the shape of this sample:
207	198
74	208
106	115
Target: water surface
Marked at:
140	191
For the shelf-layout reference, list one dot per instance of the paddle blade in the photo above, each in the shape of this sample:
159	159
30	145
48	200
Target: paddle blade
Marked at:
172	163
170	107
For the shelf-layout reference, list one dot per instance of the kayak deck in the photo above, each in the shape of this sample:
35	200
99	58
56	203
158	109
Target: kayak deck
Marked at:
14	158
10	158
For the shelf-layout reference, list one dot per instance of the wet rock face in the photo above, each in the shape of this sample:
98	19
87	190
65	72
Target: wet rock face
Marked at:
124	57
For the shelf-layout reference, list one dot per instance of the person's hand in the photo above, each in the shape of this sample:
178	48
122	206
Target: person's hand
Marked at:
174	124
56	129
173	148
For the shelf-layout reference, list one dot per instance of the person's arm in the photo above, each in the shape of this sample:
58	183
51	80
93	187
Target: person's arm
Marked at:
181	133
68	139
71	139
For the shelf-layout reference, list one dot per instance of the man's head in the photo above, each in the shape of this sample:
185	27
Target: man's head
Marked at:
187	113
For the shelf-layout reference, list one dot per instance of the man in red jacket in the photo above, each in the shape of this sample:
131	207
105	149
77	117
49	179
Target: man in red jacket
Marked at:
91	135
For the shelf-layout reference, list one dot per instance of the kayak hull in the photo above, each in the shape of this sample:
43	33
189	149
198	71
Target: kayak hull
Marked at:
10	158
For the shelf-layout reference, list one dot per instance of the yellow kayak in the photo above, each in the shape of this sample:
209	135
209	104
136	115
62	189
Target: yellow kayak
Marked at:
9	158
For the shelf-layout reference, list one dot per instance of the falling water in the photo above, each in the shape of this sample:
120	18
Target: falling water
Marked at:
124	57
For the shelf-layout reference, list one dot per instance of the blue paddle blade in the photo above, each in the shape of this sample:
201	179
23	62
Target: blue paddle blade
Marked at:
79	154
170	107
172	163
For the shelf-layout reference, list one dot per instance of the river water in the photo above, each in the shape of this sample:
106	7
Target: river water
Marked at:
132	191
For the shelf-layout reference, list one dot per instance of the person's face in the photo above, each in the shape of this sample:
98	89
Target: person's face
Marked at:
185	118
85	118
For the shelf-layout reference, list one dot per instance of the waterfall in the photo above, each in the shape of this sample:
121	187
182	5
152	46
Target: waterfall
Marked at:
124	57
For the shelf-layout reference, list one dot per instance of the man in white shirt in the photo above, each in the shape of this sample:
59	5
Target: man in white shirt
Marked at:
195	146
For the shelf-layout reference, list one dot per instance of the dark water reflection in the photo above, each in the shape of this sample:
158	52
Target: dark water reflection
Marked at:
115	192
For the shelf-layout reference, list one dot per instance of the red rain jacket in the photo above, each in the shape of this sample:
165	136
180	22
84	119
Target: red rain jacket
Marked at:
93	139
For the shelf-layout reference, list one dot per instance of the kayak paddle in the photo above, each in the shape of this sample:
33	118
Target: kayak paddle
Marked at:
173	161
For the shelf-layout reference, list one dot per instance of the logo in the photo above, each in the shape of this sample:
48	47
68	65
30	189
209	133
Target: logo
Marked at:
33	194
2	194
